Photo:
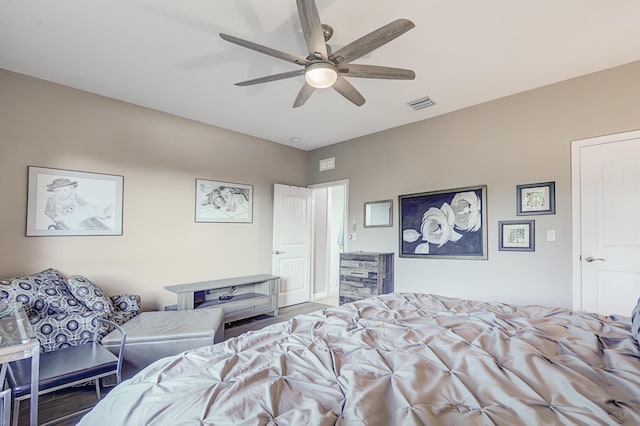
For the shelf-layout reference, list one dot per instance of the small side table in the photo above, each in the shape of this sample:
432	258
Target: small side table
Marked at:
18	341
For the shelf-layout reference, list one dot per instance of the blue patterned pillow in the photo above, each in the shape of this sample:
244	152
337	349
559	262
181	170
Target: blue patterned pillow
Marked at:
56	296
89	294
635	322
26	290
127	303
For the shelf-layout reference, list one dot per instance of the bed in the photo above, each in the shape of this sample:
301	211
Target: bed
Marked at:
398	359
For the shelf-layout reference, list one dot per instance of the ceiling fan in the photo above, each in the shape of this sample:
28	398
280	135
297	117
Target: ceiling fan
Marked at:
323	68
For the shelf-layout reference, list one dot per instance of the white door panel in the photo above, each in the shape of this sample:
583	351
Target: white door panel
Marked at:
292	222
609	224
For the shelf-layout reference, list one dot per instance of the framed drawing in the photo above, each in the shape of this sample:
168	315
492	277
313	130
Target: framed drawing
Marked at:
516	235
449	224
66	202
218	201
536	198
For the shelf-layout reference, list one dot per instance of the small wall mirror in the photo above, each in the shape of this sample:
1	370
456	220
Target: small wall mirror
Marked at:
378	213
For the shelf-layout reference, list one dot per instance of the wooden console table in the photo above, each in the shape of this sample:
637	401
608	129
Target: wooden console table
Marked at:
241	297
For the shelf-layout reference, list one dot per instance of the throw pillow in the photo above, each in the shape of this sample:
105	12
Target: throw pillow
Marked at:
127	303
57	298
89	294
26	289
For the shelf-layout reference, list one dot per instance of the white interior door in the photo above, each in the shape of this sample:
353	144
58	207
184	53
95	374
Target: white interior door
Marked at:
292	223
606	203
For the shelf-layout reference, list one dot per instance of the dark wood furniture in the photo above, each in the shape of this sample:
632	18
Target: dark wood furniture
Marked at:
365	274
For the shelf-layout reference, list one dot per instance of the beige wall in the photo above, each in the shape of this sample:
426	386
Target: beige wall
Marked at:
520	139
515	140
159	155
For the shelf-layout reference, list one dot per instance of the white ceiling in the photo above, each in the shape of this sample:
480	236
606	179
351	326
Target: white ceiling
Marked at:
167	55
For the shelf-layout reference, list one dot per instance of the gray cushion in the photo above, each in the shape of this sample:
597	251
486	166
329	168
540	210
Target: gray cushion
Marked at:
158	334
170	326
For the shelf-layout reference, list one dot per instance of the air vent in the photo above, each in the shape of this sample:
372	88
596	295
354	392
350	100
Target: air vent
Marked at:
421	103
327	164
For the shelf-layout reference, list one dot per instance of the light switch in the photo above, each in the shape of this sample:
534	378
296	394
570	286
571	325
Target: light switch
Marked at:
551	235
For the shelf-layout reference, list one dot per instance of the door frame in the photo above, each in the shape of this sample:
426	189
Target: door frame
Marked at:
576	253
344	182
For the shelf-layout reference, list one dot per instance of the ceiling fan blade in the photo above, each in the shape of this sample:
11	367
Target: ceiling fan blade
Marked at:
374	71
312	28
371	41
303	95
345	88
269	78
264	49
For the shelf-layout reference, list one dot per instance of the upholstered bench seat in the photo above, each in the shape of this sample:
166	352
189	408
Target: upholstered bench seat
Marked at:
158	334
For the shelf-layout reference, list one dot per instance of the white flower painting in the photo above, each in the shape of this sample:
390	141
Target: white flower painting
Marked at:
445	224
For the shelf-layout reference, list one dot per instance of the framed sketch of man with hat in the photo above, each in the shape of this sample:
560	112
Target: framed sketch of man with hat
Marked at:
65	202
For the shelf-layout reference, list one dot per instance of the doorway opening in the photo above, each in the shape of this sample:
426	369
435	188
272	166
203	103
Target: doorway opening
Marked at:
329	225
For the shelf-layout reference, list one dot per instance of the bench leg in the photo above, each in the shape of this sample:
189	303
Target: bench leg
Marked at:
98	389
16	411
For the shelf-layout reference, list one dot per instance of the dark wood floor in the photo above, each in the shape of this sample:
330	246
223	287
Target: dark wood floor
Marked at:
57	404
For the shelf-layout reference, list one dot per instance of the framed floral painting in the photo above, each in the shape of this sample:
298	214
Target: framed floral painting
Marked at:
449	224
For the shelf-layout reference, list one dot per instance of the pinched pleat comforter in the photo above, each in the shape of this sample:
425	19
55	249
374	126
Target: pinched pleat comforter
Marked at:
398	359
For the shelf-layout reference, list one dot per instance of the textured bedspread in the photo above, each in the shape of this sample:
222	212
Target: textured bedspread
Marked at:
398	359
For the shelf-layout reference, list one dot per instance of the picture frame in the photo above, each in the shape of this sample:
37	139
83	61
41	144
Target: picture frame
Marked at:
73	203
223	202
516	235
447	224
536	199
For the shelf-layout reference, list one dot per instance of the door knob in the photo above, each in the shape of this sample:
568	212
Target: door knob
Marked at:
592	259
278	252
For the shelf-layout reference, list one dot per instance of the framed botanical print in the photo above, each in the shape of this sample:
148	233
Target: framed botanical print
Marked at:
536	198
516	235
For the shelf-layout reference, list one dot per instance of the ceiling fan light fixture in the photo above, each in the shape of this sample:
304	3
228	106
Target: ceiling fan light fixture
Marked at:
321	75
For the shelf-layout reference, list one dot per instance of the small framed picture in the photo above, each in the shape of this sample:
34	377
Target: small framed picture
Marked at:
218	201
67	202
536	198
516	235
